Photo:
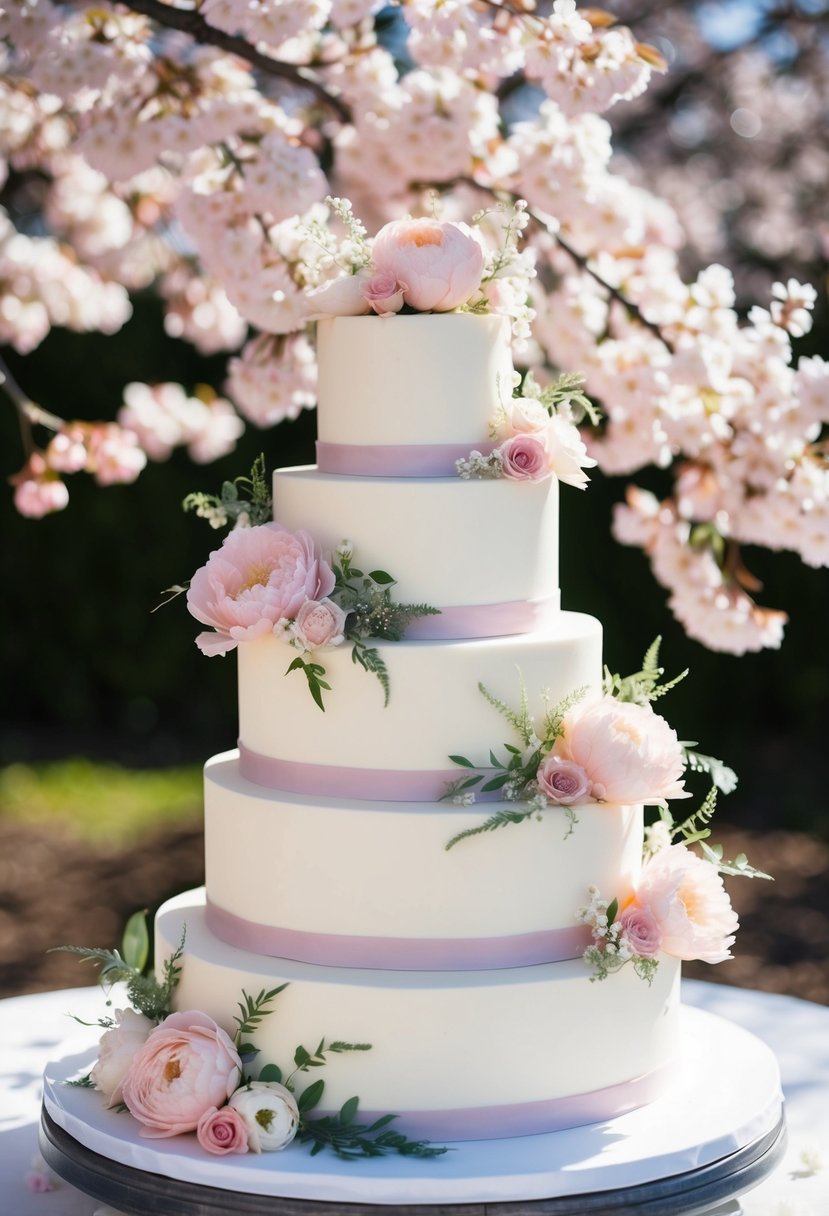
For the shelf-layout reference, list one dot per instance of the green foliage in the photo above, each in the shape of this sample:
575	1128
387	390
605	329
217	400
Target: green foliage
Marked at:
304	1060
84	1082
642	686
351	1141
253	1009
723	777
564	394
519	719
739	867
244	497
148	995
500	819
136	941
370	659
314	673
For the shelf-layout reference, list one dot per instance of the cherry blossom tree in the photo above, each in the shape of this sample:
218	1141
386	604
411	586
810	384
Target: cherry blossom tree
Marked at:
194	152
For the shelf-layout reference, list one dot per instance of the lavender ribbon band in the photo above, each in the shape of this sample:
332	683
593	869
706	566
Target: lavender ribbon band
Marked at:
338	781
464	622
396	459
529	1118
399	953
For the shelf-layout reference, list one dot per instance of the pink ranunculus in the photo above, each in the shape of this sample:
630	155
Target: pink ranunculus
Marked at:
524	458
116	1049
686	897
320	623
341	297
562	781
258	577
384	293
567	453
629	752
641	930
441	264
222	1131
187	1066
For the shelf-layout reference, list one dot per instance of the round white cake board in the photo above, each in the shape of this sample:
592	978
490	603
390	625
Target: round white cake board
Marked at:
725	1096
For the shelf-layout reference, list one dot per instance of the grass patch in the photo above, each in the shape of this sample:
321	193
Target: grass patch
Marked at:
100	802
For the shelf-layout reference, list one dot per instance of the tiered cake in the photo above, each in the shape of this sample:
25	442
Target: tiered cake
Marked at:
326	862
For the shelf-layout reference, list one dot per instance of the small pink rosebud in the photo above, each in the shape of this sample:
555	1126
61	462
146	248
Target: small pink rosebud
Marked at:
524	458
562	781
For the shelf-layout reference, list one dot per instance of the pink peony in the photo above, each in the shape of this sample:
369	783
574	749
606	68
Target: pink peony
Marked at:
567	453
686	897
222	1131
384	293
562	781
441	264
258	577
630	753
187	1066
320	623
524	458
116	1049
640	928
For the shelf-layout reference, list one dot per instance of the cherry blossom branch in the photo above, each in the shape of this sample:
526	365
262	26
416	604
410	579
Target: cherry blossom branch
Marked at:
190	21
29	413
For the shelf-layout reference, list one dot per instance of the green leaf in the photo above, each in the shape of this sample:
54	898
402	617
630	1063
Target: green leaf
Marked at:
271	1072
348	1110
612	910
462	761
135	944
381	577
496	783
309	1098
301	1057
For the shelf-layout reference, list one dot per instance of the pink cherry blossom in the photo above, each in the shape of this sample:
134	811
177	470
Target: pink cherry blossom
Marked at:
441	265
258	577
686	897
186	1067
630	753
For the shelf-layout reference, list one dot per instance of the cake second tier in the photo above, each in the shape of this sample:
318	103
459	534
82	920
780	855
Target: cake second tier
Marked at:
363	748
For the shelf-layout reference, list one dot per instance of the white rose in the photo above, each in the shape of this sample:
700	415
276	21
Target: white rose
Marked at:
568	455
527	416
341	297
116	1048
270	1113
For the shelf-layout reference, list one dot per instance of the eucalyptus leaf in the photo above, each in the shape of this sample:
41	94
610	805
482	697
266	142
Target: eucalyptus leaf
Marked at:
135	944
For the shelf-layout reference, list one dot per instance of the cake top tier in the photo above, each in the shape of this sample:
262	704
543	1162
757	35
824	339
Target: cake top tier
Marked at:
408	395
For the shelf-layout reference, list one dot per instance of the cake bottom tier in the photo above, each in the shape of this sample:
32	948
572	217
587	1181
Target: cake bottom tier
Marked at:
455	1055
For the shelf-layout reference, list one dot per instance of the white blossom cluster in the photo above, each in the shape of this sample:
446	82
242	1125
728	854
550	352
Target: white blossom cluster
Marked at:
155	161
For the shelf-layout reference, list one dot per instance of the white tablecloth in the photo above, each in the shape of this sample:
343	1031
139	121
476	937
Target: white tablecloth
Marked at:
32	1028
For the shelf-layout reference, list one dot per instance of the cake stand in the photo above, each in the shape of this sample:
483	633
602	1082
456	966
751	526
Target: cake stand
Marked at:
716	1133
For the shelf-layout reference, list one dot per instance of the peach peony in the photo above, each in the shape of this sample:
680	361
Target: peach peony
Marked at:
258	577
629	753
441	265
187	1066
686	897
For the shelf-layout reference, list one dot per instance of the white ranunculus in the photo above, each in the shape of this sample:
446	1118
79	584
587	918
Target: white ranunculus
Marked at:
270	1113
116	1048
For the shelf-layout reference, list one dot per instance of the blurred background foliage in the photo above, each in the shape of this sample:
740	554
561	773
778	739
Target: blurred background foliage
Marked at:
734	137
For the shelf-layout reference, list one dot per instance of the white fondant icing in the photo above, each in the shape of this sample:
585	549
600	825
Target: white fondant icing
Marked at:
439	1040
445	540
435	709
381	869
420	379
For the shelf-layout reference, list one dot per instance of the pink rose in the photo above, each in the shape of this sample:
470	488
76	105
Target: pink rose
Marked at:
562	781
441	264
524	458
384	293
630	753
258	577
567	453
222	1131
686	897
320	623
640	929
187	1066
116	1049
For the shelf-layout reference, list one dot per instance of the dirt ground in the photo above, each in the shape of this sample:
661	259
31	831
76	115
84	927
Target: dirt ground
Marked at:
55	890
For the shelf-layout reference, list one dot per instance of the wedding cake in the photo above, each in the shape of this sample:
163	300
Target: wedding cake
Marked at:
476	937
326	830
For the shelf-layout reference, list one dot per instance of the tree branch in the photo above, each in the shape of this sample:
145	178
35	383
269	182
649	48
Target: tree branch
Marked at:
29	413
190	21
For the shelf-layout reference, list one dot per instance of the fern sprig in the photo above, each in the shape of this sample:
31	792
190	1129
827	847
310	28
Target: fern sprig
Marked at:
370	659
351	1141
500	819
519	719
253	1010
